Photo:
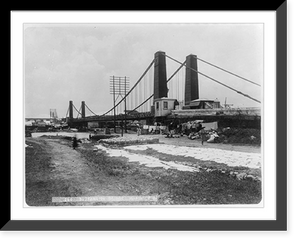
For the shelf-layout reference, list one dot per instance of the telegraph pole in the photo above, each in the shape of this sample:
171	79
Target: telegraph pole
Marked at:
121	91
125	105
114	99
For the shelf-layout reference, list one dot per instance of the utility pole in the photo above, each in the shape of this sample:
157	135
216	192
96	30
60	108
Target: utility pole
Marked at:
125	108
121	91
114	99
125	105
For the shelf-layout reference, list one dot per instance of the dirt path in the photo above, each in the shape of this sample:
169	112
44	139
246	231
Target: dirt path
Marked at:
69	164
67	173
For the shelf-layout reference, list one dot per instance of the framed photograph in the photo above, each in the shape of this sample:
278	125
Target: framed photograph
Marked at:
148	120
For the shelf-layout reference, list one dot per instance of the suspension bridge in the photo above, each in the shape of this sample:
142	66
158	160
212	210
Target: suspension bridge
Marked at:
154	97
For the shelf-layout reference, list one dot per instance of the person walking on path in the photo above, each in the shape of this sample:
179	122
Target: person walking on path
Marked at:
75	142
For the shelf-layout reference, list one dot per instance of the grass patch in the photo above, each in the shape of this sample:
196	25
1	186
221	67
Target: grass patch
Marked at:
212	188
107	165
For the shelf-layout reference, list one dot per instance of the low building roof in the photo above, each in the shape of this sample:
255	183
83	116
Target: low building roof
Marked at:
196	102
164	98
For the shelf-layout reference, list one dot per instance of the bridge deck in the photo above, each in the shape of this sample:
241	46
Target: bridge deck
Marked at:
247	113
251	111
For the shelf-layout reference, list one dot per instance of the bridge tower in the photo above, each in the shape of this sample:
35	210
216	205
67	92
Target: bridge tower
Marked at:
191	79
83	109
160	75
70	110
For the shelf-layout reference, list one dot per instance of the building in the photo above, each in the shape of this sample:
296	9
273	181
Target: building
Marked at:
164	106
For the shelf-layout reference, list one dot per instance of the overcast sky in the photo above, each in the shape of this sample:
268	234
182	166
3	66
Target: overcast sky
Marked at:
74	62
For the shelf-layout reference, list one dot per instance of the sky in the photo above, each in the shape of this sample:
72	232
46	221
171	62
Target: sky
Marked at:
66	62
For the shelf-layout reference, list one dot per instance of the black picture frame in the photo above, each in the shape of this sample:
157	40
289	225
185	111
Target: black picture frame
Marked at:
280	224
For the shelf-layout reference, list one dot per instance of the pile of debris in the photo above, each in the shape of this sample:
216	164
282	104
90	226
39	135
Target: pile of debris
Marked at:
195	129
209	137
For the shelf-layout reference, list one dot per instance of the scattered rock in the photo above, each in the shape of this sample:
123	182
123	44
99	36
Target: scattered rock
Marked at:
257	178
250	177
241	176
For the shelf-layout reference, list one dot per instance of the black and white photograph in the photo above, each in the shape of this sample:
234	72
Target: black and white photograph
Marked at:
143	114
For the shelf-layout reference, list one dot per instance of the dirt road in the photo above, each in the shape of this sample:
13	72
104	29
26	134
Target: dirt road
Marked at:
57	170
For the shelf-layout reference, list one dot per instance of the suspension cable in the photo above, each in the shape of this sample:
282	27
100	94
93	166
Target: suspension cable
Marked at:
239	92
79	110
141	104
67	111
176	71
131	88
90	109
254	83
76	109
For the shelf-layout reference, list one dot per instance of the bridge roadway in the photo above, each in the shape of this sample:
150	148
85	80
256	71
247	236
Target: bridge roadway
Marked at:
221	113
119	117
